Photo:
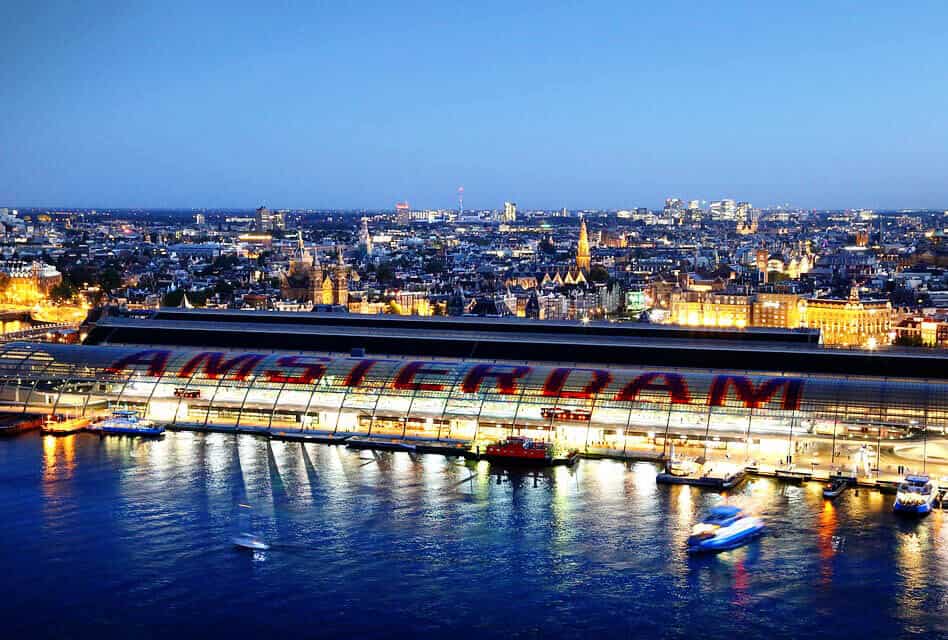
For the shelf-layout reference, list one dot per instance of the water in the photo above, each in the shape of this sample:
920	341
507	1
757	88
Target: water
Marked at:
120	538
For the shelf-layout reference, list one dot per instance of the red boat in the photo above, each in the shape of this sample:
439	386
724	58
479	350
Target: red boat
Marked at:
521	450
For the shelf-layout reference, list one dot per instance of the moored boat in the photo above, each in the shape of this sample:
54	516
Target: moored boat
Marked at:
725	527
682	467
519	450
126	422
58	425
792	474
916	495
834	488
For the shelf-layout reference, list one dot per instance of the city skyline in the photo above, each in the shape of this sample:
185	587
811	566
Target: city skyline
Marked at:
340	108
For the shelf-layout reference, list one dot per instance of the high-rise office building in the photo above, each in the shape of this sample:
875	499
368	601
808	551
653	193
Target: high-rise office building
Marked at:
510	212
270	220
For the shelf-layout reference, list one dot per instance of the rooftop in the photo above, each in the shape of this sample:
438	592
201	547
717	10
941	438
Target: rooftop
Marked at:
629	344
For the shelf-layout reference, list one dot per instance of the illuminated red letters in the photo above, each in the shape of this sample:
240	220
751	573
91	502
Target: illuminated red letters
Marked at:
357	373
156	359
405	380
753	398
673	384
553	387
311	371
215	366
505	375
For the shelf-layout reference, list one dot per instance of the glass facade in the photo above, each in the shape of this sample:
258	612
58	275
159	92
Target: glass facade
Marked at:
773	418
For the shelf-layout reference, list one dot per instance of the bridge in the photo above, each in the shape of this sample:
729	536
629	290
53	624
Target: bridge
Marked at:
13	318
37	332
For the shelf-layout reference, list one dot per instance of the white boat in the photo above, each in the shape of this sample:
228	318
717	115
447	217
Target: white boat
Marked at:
725	527
250	541
682	466
128	423
916	495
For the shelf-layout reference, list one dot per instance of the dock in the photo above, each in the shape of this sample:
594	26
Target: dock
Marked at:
713	475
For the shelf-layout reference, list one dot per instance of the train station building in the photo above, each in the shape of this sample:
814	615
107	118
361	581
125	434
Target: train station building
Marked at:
409	381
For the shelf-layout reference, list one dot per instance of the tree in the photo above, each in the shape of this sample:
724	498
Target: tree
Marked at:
598	273
62	292
908	340
385	273
110	279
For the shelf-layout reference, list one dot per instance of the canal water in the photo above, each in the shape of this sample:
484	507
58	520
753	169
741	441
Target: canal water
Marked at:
124	538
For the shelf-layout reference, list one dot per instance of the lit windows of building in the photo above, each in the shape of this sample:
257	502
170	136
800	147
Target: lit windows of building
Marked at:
851	322
710	309
267	220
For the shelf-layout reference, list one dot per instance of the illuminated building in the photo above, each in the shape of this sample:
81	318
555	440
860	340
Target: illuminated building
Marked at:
926	331
402	213
710	309
267	220
613	239
510	212
636	302
776	310
851	322
467	401
365	238
29	280
582	248
305	280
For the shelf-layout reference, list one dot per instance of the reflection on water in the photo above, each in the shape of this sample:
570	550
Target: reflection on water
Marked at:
371	543
59	457
827	541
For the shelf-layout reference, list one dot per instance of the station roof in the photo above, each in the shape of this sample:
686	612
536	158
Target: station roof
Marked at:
623	344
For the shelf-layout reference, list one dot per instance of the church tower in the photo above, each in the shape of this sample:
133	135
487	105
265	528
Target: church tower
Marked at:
315	278
340	292
365	238
582	250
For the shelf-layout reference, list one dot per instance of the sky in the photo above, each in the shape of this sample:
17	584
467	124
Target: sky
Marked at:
575	104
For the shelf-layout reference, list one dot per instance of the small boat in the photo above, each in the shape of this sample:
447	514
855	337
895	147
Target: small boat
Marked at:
682	467
59	425
725	527
791	474
916	495
127	422
835	487
520	450
250	541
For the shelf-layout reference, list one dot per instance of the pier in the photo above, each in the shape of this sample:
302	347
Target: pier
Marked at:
717	476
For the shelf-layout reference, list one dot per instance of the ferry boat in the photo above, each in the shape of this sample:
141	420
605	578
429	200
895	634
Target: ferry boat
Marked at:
59	425
915	496
725	527
127	422
526	451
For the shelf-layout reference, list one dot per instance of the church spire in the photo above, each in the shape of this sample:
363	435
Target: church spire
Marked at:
582	249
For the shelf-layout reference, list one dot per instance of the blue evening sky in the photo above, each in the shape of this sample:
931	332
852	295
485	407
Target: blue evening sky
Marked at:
585	104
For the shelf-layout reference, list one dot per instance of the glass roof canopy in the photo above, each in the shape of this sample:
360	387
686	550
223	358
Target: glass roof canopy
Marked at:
452	398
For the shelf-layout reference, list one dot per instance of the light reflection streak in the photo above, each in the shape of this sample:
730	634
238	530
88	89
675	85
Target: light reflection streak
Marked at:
826	530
